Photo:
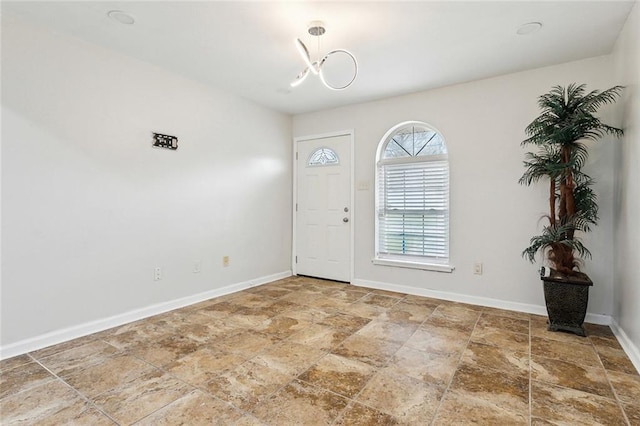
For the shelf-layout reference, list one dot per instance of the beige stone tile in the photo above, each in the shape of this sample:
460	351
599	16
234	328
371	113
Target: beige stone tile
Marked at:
479	355
408	312
505	391
205	331
465	325
141	396
457	312
303	297
571	375
428	367
585	353
386	293
310	314
289	357
51	403
610	342
560	405
106	375
516	325
320	337
371	351
380	300
201	366
506	313
348	295
299	403
410	400
280	307
364	310
539	329
23	377
294	282
627	386
598	330
248	318
437	339
248	343
16	361
248	420
345	322
247	384
615	360
272	291
64	346
252	300
338	374
167	350
358	414
459	409
282	326
221	310
328	302
387	330
517	342
195	408
423	301
633	413
66	362
137	333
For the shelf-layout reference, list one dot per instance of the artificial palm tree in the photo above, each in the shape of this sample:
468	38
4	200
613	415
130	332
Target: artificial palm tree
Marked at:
559	133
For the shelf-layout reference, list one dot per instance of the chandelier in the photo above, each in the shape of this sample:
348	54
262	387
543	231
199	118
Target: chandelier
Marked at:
317	29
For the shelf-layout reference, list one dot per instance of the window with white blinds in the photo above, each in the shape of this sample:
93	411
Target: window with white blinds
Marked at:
412	200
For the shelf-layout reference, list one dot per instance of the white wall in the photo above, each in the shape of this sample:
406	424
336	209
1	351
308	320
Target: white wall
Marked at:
627	201
89	208
492	217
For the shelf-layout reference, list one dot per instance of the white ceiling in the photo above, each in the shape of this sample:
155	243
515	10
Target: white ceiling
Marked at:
247	47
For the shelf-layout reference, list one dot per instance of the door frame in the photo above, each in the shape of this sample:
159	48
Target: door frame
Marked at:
294	251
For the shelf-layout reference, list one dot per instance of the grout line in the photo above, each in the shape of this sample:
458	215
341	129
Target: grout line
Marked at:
446	391
613	390
80	394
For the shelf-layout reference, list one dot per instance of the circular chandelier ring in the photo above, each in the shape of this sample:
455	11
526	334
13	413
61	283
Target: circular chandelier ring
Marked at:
355	74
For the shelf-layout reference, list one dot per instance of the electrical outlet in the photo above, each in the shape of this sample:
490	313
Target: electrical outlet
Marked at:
225	261
477	268
157	273
197	266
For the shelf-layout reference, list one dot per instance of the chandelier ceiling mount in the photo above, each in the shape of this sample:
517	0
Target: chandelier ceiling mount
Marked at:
317	29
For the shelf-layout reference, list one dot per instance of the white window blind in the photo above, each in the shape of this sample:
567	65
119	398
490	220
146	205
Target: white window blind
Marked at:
413	203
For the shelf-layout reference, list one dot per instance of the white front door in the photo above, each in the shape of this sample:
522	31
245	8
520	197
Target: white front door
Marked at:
323	216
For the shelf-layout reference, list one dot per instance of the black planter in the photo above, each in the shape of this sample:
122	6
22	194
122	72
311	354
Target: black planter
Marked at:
566	298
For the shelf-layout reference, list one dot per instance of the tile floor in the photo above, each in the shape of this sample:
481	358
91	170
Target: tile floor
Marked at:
301	351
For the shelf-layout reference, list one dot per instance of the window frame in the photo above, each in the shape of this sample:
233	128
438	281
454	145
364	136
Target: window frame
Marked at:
400	260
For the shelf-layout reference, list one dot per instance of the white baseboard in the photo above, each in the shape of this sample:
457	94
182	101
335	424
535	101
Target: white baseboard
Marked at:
59	336
473	300
629	347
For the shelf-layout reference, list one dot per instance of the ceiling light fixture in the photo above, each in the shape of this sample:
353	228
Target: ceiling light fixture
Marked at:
529	28
317	29
121	17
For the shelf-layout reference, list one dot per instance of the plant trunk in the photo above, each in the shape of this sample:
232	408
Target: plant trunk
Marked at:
552	201
562	258
569	187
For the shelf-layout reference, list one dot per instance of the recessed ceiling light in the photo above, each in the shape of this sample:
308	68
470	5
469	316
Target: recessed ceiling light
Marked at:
121	17
529	28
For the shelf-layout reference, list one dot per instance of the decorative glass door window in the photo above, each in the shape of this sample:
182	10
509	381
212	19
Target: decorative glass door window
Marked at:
323	157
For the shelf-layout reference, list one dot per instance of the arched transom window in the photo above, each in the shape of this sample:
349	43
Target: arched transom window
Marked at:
323	157
412	196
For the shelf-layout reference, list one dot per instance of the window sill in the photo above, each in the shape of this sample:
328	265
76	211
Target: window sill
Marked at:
414	265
